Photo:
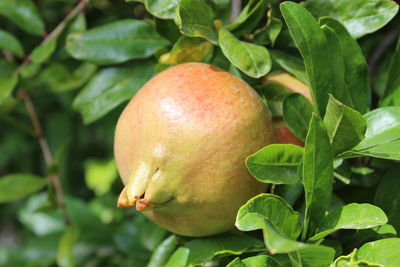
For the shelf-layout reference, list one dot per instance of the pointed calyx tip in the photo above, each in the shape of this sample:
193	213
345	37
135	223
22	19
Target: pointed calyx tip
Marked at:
123	201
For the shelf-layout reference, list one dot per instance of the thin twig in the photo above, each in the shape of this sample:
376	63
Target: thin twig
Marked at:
235	7
57	30
44	146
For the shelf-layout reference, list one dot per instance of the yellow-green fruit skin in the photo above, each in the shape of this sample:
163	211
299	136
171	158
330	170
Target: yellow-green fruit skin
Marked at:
180	147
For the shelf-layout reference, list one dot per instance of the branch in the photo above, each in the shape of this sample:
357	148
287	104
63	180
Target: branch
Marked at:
235	9
57	30
44	146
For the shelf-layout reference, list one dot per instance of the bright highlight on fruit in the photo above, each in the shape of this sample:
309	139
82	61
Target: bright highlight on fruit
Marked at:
181	144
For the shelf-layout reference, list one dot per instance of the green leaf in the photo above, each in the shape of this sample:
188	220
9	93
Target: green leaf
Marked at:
195	19
317	174
367	235
270	32
384	251
351	261
14	187
297	112
351	216
360	17
255	261
30	70
382	138
251	215
43	52
99	175
357	86
201	250
312	44
387	196
163	9
187	49
8	81
318	256
41	222
168	30
24	14
110	87
290	63
162	253
276	163
65	256
10	43
150	235
248	18
338	85
61	78
314	255
345	126
115	42
254	60
392	89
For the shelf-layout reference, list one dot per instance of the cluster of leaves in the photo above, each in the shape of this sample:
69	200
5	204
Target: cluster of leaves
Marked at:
351	130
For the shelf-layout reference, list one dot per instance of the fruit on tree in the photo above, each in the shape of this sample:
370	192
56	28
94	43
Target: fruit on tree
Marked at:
181	144
283	134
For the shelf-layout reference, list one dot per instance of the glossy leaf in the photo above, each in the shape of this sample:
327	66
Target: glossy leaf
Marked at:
345	126
312	44
195	19
392	88
382	138
164	9
297	112
254	60
65	256
14	187
43	52
351	216
360	17
384	251
276	163
255	261
187	49
115	42
248	18
99	175
387	196
24	14
109	88
251	216
357	86
163	252
317	174
9	43
201	250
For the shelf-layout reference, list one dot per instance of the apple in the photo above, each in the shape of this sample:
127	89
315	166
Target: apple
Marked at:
180	148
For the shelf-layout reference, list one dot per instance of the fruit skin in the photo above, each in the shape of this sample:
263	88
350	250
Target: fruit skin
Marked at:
180	147
283	134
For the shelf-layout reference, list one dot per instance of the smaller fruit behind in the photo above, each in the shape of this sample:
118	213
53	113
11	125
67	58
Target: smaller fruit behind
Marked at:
283	134
181	144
